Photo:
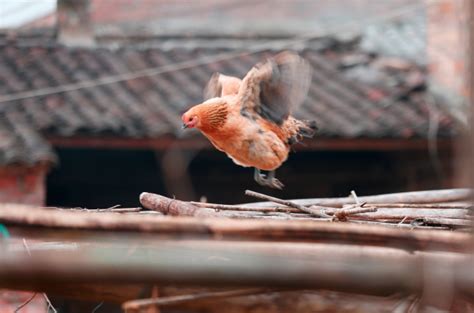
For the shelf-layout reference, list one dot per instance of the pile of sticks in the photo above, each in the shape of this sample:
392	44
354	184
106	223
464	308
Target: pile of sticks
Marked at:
438	209
309	254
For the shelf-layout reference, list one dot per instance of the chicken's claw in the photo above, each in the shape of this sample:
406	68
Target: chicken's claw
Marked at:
268	181
275	183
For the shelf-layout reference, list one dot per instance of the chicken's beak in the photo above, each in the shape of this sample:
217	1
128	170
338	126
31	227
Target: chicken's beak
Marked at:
184	126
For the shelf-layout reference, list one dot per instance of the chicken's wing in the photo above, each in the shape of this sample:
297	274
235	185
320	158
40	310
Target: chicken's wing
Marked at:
221	85
273	89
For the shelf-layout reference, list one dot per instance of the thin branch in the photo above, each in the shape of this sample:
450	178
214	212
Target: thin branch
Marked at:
26	247
359	210
50	305
118	210
113	209
455	205
97	307
135	305
25	303
342	214
402	221
311	210
356	199
233	207
404	304
414	305
45	296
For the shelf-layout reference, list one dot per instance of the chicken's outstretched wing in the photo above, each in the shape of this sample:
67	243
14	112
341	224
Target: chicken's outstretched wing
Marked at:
220	85
274	88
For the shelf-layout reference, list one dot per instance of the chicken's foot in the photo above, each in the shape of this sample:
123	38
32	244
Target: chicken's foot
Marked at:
267	180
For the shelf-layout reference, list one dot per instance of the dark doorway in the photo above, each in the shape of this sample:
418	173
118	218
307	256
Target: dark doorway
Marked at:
102	178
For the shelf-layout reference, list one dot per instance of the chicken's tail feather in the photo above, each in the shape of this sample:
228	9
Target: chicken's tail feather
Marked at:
305	129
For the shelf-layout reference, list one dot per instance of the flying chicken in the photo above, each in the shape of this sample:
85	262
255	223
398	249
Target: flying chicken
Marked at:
250	119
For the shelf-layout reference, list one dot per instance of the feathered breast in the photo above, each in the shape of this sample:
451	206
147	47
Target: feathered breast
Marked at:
213	117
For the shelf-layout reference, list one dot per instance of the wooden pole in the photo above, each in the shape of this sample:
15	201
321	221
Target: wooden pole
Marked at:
432	196
223	228
173	264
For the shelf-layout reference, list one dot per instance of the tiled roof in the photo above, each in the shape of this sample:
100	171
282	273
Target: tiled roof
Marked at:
20	143
353	94
405	38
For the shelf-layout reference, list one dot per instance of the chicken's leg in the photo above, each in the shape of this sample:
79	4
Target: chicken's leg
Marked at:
267	180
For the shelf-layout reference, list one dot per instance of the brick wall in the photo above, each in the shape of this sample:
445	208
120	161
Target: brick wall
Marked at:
447	50
447	45
25	185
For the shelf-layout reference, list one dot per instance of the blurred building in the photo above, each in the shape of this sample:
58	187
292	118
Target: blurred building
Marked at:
381	127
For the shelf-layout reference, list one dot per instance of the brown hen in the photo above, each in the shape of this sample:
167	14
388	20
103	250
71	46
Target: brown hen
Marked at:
250	119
